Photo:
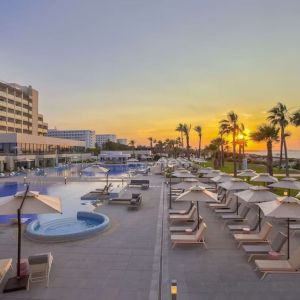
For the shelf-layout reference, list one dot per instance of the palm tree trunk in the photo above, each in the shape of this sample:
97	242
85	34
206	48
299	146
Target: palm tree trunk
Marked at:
269	158
240	156
200	138
234	151
188	146
286	158
281	146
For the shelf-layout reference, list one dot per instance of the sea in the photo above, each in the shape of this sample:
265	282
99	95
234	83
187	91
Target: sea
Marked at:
276	153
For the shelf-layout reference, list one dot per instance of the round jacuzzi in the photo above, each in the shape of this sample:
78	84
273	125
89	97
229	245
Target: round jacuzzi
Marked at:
68	229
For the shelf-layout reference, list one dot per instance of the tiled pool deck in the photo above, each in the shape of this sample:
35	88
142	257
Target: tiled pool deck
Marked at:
125	263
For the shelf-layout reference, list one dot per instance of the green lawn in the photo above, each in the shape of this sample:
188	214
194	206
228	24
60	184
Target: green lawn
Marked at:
259	168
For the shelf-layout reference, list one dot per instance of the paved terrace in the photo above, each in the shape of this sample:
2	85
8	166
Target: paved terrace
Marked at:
125	261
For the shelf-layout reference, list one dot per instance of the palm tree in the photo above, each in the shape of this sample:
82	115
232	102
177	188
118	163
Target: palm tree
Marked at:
186	131
295	119
268	134
231	126
198	129
278	116
150	139
132	145
179	128
223	130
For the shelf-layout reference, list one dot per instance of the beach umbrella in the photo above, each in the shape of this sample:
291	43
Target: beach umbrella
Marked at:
235	184
197	194
264	178
179	174
282	208
188	183
212	174
256	194
247	173
221	178
288	184
205	170
28	202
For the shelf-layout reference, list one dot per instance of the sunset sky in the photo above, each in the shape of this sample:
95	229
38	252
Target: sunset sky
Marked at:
137	68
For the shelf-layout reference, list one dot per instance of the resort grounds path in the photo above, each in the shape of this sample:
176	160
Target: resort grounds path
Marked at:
119	263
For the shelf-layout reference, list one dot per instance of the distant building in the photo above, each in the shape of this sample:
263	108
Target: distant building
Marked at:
113	157
104	138
122	141
19	110
87	136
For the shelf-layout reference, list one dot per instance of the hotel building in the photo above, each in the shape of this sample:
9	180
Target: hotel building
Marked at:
87	136
23	140
104	138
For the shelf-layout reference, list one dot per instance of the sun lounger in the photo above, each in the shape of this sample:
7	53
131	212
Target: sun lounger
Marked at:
221	204
291	265
186	229
181	211
264	248
40	267
249	225
240	216
230	209
5	265
188	217
197	238
254	237
294	228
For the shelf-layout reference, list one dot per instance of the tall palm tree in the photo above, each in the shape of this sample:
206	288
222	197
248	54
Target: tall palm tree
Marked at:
295	119
186	131
278	116
198	129
268	134
150	139
132	145
231	123
223	130
179	128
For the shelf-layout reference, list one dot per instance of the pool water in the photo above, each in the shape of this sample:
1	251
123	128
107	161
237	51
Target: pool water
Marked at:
69	194
68	226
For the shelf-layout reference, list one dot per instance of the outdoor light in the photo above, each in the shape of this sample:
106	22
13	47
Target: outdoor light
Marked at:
25	179
285	193
174	289
65	179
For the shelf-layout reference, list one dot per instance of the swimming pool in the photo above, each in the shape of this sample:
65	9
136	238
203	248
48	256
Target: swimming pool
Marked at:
68	193
84	225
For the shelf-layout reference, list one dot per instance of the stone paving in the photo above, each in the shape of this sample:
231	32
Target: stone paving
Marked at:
125	261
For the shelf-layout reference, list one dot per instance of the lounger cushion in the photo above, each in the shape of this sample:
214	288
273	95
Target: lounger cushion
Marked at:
38	259
248	237
274	265
4	266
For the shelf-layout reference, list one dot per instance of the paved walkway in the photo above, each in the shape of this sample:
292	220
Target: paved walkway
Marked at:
117	264
134	260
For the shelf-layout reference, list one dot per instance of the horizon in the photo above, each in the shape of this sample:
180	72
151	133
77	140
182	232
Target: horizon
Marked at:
137	69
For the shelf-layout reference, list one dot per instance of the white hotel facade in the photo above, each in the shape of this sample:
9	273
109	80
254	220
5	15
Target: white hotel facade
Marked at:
86	136
23	140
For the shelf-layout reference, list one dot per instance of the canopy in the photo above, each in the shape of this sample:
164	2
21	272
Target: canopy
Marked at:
187	184
221	178
212	174
264	177
182	174
235	184
256	194
197	193
282	208
247	173
205	170
287	183
34	204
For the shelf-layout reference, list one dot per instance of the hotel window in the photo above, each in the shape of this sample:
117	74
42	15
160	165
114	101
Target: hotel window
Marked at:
11	101
10	111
